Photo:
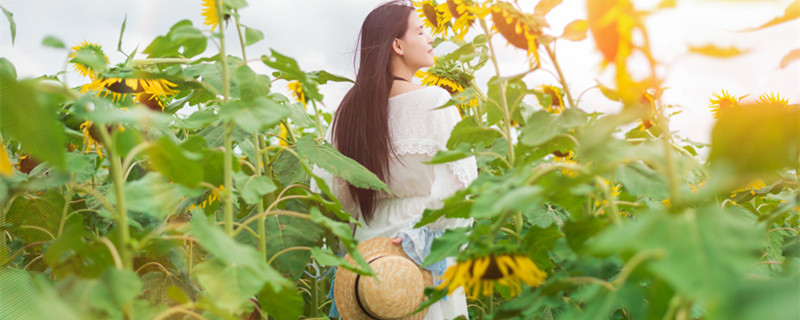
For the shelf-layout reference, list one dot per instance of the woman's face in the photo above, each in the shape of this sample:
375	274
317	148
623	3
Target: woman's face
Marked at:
416	44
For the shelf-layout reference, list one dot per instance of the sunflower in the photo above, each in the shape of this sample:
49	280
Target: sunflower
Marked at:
565	157
615	192
283	136
6	168
644	124
91	48
556	98
752	186
772	98
465	14
446	74
723	102
90	138
449	76
520	29
141	90
435	16
695	188
210	14
209	200
25	163
478	275
296	90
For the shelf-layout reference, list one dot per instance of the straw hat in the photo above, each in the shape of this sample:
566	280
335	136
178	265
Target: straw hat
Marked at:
399	291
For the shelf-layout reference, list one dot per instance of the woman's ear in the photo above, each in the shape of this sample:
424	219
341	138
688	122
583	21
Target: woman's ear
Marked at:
396	46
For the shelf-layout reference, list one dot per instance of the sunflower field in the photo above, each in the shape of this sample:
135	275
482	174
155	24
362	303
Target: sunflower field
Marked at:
113	206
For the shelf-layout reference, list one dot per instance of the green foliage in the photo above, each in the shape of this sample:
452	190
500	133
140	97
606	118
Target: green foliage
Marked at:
211	214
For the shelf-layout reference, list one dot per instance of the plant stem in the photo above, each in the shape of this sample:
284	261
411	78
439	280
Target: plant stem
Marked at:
560	76
262	229
502	86
3	247
319	123
70	191
122	212
228	176
226	90
241	39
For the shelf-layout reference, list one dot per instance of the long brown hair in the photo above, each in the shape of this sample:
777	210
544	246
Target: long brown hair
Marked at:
360	126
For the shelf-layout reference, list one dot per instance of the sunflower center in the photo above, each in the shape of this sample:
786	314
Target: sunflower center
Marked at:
430	14
493	271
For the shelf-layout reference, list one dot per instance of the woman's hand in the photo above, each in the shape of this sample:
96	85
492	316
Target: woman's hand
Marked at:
397	240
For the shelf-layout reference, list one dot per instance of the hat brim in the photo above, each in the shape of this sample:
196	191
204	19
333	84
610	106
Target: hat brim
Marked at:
344	282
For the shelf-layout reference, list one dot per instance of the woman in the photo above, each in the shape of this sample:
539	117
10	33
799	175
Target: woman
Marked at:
389	125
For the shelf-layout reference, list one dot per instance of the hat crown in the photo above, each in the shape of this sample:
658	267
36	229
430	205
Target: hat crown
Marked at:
398	265
395	291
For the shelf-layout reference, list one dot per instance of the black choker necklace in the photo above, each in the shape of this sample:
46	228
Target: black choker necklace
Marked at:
398	78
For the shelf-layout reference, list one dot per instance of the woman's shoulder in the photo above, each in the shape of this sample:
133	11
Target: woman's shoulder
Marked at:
425	96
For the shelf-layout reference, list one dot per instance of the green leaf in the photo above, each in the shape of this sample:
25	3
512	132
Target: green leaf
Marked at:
444	156
236	4
175	162
291	170
26	118
251	188
791	246
121	32
501	199
539	241
8	73
447	245
469	131
578	232
327	258
282	303
328	158
100	110
764	299
284	232
183	36
93	59
26	296
11	25
454	207
260	114
160	288
125	141
114	289
546	215
251	36
152	195
249	85
740	139
198	119
290	70
343	232
322	77
542	126
235	273
515	91
230	285
42	212
706	251
640	180
53	42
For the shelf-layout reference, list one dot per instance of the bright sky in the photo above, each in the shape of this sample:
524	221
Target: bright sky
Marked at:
322	34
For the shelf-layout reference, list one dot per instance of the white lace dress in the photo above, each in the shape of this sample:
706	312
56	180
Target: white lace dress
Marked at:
418	132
